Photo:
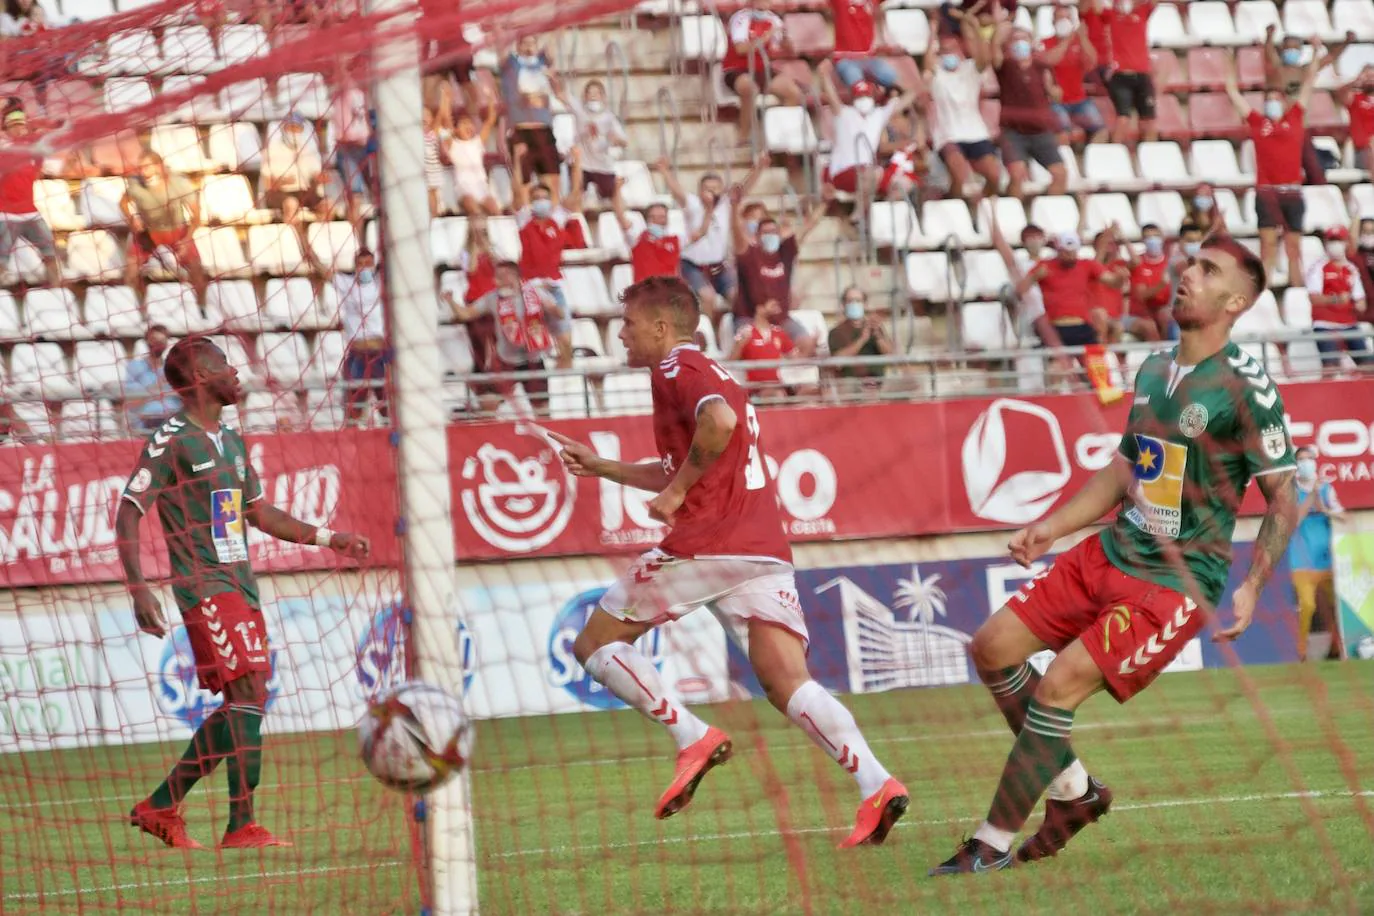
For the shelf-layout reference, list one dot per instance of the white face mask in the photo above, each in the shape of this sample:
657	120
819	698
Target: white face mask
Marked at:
1273	109
595	106
1367	240
864	105
1335	250
1307	468
1063	27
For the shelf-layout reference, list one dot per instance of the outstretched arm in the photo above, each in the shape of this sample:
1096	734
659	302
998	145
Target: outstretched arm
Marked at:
1309	79
583	461
284	527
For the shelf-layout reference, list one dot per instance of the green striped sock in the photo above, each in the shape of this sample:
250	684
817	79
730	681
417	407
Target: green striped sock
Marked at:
1041	753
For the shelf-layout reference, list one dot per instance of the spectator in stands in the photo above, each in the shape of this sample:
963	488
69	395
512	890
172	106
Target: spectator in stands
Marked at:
1025	299
858	130
162	209
19	216
526	88
1284	73
857	42
1028	122
434	165
755	40
1279	134
293	173
983	16
764	339
1362	249
528	324
907	153
1071	55
466	151
12	426
754	215
1309	558
959	134
547	230
1358	98
148	399
765	269
352	136
858	333
479	272
1090	14
654	250
1108	292
1338	301
1130	82
1202	211
447	60
23	17
367	356
1150	315
1066	285
599	132
1186	247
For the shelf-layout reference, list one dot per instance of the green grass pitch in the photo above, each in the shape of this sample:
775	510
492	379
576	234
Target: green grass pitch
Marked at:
1237	792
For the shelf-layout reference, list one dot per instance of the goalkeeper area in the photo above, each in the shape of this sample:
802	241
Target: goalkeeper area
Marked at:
1236	805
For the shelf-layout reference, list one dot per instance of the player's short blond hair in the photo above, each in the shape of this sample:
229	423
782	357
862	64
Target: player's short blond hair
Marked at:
669	296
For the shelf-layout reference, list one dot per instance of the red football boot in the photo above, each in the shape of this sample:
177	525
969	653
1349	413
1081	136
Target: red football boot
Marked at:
166	824
250	836
877	815
693	762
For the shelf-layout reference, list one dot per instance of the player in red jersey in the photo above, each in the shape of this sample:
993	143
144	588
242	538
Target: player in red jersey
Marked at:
725	550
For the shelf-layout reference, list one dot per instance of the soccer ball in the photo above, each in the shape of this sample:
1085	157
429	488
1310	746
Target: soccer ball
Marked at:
415	737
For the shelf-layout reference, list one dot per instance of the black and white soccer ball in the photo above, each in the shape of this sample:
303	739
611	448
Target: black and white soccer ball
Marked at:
415	737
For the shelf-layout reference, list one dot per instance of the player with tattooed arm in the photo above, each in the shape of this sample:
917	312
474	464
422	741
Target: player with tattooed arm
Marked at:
1122	604
725	550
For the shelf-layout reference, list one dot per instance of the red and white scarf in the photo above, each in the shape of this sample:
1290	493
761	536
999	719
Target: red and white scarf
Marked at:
530	334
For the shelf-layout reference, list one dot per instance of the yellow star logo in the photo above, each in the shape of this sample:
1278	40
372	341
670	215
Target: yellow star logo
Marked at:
226	505
1146	461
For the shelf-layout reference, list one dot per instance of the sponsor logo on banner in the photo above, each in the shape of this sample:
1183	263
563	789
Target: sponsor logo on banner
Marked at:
382	652
1345	447
888	653
564	670
1003	482
519	499
178	691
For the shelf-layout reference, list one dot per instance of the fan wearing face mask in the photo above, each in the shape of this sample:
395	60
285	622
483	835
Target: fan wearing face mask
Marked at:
1284	72
857	43
1309	558
1130	85
1027	120
755	37
1338	301
363	318
859	333
654	250
527	78
1358	98
1149	316
1278	131
954	76
1072	56
599	135
1201	209
546	231
858	130
765	268
1362	251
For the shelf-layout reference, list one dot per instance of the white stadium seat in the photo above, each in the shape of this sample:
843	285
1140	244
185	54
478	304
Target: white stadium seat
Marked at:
985	326
124	94
188	49
1162	165
235	146
1214	161
275	249
1108	166
892	224
504	237
240	43
1106	209
305	94
221	253
702	38
286	356
985	275
99	368
626	392
789	130
290	303
910	29
1306	18
40	370
1166	29
586	292
179	146
100	199
235	301
1253	17
570	398
229	199
1325	207
54	200
455	350
638	191
1055	213
328	356
11	328
1163	208
174	306
1356	16
53	314
941	219
113	310
94	256
1010	214
333	244
448	237
927	276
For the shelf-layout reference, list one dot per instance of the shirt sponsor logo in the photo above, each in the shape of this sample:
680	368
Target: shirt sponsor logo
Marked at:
203	466
1158	490
226	526
140	481
1192	422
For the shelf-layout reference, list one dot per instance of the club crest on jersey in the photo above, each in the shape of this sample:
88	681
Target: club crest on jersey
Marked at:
1192	422
140	481
1274	441
226	526
1158	491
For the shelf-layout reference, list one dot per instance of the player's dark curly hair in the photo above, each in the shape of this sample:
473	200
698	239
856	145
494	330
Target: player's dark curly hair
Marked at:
668	294
180	364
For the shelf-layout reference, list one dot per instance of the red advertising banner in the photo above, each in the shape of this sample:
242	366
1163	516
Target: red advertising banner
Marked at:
57	504
886	470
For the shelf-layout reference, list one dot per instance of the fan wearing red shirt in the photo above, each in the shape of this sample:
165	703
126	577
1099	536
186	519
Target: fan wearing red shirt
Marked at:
1090	14
1148	316
1108	299
1279	133
724	548
762	340
1072	56
755	34
765	267
1358	97
654	251
19	216
1066	284
1130	85
1338	301
546	231
856	42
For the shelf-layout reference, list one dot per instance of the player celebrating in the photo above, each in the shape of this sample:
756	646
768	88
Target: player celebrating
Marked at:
196	470
1118	607
725	550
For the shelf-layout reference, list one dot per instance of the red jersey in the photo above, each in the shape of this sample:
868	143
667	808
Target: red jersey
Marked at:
653	257
1147	274
1067	290
1104	296
854	31
747	28
1335	278
764	276
1099	35
16	188
905	163
1069	72
481	278
732	511
1361	111
1130	43
1278	147
771	343
543	241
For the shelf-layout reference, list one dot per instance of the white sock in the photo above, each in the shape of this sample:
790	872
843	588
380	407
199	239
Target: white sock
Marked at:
625	672
834	730
1070	784
995	837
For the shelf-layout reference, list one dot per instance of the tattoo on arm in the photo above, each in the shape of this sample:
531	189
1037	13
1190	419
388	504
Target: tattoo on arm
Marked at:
699	456
1278	525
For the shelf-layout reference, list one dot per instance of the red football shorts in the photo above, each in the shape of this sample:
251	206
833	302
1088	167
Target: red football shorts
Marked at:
846	181
1131	628
228	640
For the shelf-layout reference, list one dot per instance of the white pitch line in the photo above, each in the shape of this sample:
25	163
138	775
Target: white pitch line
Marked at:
922	822
135	885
